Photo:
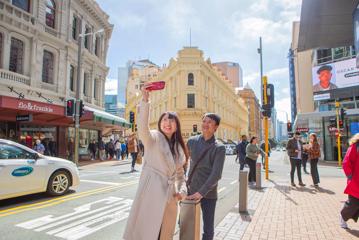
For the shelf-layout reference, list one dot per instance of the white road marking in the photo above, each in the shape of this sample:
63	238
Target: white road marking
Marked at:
85	220
234	182
221	189
101	182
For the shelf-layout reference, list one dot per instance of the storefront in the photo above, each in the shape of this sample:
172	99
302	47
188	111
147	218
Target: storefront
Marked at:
324	125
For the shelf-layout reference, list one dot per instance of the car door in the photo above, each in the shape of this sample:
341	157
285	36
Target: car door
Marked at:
20	172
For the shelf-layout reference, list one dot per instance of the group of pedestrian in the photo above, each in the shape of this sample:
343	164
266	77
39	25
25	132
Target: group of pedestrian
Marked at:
162	182
46	147
110	150
310	152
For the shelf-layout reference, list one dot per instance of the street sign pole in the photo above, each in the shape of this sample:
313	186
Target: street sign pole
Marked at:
265	99
337	105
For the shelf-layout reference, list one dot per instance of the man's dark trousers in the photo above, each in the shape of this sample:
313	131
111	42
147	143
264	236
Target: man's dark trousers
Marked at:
208	207
295	163
134	157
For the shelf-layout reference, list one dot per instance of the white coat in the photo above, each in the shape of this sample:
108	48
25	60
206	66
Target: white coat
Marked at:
155	207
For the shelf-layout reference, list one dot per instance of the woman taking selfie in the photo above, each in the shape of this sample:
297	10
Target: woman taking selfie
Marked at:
154	210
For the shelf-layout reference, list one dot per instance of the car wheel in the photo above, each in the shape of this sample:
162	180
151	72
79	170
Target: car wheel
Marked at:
59	183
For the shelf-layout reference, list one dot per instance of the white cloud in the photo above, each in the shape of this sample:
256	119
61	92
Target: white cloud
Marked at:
285	90
111	86
128	20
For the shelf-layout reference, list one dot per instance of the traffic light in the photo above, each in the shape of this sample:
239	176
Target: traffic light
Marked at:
82	108
195	128
70	107
270	95
340	123
289	127
266	110
343	113
132	117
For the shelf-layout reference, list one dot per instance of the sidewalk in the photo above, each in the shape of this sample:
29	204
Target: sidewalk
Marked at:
280	211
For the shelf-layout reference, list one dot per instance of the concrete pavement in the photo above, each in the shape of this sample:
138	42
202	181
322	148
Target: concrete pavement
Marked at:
280	211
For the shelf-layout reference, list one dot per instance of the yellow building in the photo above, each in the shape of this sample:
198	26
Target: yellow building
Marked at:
193	87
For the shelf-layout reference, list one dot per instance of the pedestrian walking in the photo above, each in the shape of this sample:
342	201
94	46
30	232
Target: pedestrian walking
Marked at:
351	170
207	160
162	183
313	152
70	149
92	149
133	150
241	152
252	153
123	150
101	149
111	149
39	147
118	149
52	147
295	150
263	155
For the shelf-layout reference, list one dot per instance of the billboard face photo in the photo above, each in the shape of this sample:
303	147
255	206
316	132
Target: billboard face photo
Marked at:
335	75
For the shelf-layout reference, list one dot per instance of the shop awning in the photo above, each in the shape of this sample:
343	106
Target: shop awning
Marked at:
107	118
326	24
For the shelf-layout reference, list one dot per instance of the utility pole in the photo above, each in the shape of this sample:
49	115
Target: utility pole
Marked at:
265	99
337	105
77	105
260	51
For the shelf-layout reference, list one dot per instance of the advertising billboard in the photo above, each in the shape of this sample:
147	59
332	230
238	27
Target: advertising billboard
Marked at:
335	75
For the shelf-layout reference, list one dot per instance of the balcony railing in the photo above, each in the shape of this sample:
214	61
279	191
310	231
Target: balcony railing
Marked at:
14	11
7	76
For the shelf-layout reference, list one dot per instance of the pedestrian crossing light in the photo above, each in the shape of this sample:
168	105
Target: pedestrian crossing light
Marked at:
82	108
289	127
343	113
70	107
132	117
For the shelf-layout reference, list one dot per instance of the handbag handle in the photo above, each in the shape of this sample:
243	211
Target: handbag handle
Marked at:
189	180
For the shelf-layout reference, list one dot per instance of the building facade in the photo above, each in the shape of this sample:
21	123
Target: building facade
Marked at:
193	87
324	76
38	68
254	110
232	71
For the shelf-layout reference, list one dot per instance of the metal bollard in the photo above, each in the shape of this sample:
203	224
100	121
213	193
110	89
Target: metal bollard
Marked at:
243	191
190	216
259	175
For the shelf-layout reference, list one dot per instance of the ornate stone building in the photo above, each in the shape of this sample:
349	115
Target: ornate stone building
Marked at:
194	86
38	66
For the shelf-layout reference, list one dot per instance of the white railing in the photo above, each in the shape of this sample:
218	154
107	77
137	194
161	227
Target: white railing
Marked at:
6	75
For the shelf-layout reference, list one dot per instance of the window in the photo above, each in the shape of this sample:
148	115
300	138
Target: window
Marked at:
23	4
1	48
75	23
72	78
16	56
341	52
50	13
97	46
190	79
87	38
48	67
190	100
95	88
85	84
324	55
12	152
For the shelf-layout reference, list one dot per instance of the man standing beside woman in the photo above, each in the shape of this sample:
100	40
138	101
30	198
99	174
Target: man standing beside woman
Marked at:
295	150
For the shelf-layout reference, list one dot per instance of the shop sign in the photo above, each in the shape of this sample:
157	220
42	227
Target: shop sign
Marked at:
320	97
38	129
333	129
34	107
24	118
302	129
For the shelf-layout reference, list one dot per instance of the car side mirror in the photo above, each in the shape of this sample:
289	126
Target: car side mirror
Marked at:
35	156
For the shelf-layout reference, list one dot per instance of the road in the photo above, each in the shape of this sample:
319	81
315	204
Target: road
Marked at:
96	209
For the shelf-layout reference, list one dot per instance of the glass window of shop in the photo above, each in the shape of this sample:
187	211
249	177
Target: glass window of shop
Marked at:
85	136
47	135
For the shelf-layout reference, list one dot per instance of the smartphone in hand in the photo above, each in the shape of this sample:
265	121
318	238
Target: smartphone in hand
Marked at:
153	86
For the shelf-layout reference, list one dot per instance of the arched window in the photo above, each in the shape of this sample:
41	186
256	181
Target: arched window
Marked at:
23	4
16	63
50	13
190	79
48	67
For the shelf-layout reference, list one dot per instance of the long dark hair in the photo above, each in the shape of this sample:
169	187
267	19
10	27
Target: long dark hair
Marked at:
176	136
252	139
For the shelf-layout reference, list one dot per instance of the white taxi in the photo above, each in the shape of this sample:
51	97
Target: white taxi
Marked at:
24	171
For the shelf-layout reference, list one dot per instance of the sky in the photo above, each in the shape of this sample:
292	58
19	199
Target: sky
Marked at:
226	30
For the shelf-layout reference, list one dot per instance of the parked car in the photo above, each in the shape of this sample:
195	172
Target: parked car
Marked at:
23	171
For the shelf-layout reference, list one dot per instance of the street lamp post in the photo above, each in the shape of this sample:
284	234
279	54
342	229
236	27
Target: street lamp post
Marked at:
77	105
